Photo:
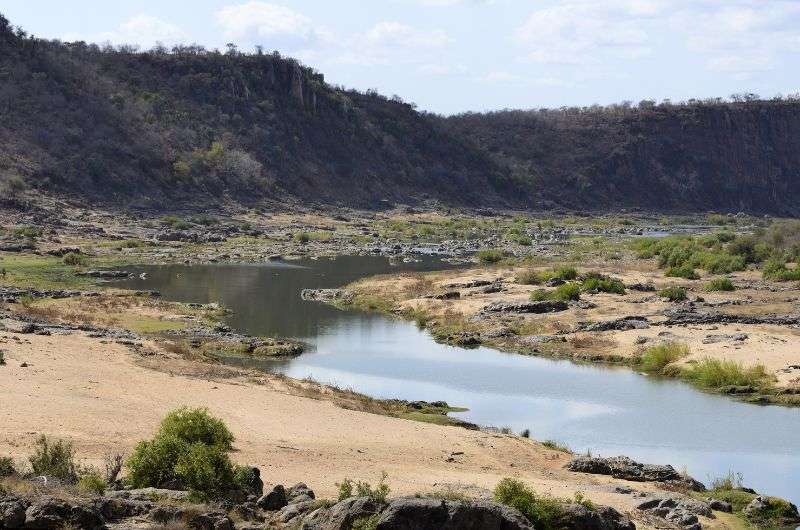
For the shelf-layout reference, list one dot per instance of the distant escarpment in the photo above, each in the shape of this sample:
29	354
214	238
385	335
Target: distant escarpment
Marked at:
193	127
695	156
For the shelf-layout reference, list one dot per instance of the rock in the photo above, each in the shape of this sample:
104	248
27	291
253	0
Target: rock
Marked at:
148	494
12	512
720	506
735	337
539	307
114	509
28	328
541	339
578	516
625	468
295	510
412	513
299	493
274	500
106	275
61	252
619	324
642	287
341	515
16	247
327	295
49	513
771	511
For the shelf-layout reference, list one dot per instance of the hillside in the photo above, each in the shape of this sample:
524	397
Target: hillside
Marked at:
697	156
190	127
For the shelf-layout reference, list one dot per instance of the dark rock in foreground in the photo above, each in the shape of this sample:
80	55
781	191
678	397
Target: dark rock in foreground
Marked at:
625	468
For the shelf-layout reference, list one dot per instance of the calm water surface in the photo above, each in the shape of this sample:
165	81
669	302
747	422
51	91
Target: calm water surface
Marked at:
609	411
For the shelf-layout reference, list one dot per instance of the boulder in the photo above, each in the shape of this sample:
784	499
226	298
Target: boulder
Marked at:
12	512
327	295
578	516
625	468
274	500
49	513
342	515
539	307
148	494
412	513
299	493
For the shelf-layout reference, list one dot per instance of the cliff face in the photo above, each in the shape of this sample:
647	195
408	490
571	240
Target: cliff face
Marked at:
718	156
193	126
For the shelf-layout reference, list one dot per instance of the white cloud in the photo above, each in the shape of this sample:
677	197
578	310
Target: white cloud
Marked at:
394	34
391	43
442	69
269	24
144	30
578	31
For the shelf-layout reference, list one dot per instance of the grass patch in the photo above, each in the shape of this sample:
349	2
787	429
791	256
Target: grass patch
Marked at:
720	284
533	277
775	269
682	271
565	292
555	445
673	293
40	272
488	256
543	511
378	493
656	358
716	374
603	284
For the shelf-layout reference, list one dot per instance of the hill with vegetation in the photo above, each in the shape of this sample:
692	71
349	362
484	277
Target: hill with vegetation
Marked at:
190	126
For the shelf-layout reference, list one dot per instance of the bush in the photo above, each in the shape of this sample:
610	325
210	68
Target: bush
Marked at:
531	277
7	468
720	284
74	259
489	255
544	512
565	292
603	285
775	269
683	271
673	293
190	448
54	459
656	358
716	373
302	237
348	488
92	483
557	446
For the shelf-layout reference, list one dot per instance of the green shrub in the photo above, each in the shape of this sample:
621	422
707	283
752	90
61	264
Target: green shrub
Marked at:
565	292
366	523
28	232
206	470
775	269
603	285
683	271
720	284
557	446
489	255
190	448
302	237
673	293
716	373
247	479
656	358
197	426
92	483
74	259
544	512
532	277
54	459
7	468
348	488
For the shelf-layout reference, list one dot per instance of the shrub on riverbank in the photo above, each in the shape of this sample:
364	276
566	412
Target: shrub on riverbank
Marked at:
720	284
656	358
673	293
683	271
543	511
566	292
716	374
776	269
603	284
54	459
489	255
533	277
190	448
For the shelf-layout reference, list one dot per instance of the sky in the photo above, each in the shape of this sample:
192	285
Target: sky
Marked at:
451	56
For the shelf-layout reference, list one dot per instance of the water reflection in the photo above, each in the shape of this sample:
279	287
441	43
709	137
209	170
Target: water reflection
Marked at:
610	411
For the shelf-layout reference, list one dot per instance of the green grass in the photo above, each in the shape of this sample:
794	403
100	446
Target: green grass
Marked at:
720	284
716	374
565	292
656	358
673	293
40	272
532	277
557	446
543	511
603	285
775	269
488	256
682	271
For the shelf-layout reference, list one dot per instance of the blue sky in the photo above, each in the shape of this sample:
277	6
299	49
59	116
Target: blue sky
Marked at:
451	56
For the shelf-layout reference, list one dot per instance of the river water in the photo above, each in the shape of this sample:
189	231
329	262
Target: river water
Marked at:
609	411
